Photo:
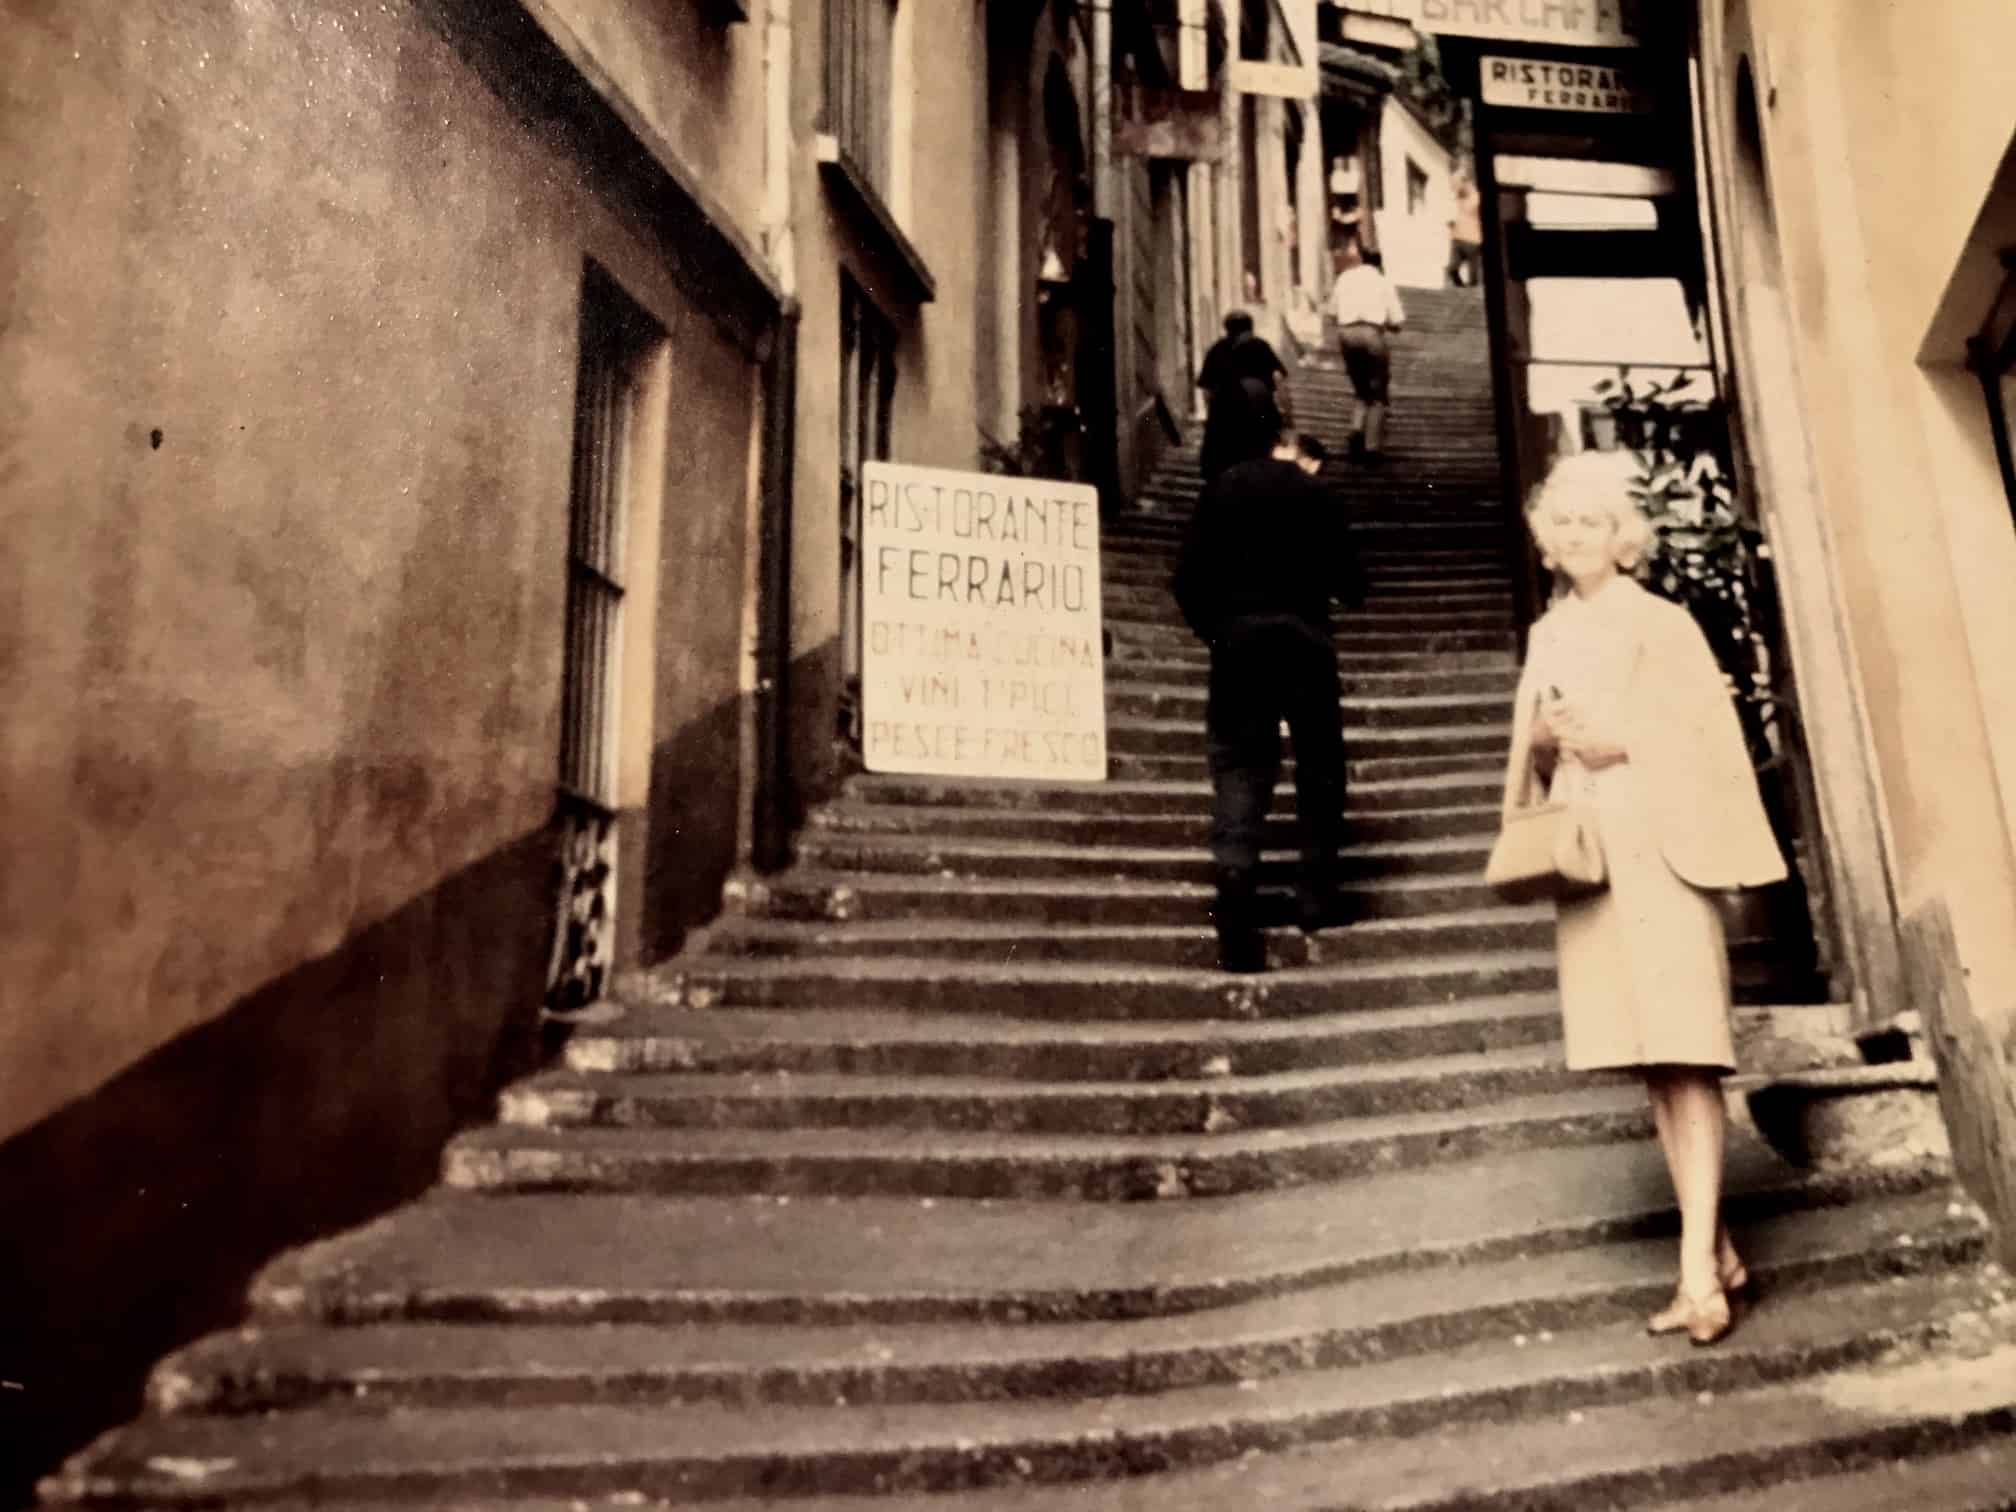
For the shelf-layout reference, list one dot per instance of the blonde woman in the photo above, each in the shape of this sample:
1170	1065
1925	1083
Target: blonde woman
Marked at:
1622	706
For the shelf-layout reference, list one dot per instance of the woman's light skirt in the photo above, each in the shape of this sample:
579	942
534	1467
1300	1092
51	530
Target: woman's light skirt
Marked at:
1644	964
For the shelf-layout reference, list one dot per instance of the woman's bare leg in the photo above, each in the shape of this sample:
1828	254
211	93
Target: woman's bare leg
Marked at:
1699	1136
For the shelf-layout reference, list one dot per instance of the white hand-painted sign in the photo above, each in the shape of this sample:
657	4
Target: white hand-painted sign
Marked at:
981	652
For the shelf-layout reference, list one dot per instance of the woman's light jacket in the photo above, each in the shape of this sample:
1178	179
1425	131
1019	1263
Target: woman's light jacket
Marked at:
1677	727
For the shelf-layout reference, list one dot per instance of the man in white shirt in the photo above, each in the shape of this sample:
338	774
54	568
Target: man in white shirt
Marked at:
1367	308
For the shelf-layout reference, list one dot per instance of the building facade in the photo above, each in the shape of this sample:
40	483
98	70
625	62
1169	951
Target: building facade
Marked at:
1864	257
432	501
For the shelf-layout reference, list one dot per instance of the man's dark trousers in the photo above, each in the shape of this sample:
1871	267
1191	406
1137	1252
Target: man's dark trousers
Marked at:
1266	669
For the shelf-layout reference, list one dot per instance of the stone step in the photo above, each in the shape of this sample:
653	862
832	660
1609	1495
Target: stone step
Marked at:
1177	662
1108	990
639	1038
1193	946
1839	1261
982	1104
1126	767
1126	600
945	1164
614	1258
976	859
1486	729
1481	785
807	893
1167	636
1181	830
1586	1417
1139	696
1369	702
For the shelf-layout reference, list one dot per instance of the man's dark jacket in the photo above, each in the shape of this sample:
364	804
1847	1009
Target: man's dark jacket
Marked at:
1239	377
1267	540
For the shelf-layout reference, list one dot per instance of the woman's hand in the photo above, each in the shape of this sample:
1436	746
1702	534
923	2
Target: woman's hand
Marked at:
1575	734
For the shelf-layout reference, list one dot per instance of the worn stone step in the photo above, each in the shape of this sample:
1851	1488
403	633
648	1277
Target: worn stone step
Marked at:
1484	729
1482	785
614	1258
983	1104
1131	665
1805	1386
808	893
1096	1168
1042	989
1462	755
976	858
1188	829
1141	698
1140	600
1194	946
1351	637
1132	706
648	1037
1837	1261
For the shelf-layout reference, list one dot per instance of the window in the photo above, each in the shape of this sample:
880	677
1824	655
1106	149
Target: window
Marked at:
616	339
1992	355
1417	188
860	52
867	385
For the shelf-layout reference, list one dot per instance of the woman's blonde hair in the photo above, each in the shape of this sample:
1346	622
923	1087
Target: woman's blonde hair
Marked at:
1594	477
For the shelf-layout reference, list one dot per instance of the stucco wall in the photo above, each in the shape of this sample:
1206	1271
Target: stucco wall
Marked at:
1416	244
1883	126
291	315
938	194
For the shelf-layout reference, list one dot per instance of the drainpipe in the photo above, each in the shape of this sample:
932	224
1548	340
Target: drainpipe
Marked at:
772	807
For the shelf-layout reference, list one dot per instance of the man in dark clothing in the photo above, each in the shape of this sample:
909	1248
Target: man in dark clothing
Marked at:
1265	554
1238	379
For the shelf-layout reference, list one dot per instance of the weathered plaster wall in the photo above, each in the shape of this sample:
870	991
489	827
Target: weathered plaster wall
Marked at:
698	83
1884	125
938	194
290	317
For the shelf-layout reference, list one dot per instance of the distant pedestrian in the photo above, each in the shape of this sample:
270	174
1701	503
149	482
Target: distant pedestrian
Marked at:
1240	379
1266	553
1367	310
1622	711
1466	234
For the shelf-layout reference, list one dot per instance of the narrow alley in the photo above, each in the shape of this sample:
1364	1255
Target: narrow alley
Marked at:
947	1162
625	886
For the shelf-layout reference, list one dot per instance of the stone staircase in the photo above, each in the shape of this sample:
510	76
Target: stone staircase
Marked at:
945	1172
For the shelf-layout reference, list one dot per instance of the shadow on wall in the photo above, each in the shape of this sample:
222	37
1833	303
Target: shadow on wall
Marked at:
136	1217
691	846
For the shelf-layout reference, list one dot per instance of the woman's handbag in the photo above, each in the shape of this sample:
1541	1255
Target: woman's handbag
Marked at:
1549	850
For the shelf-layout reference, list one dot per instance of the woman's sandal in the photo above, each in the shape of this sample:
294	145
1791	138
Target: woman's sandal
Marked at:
1704	1319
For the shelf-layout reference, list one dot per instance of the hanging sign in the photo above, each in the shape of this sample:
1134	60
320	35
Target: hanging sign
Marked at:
981	627
1544	84
1168	123
1569	23
1281	81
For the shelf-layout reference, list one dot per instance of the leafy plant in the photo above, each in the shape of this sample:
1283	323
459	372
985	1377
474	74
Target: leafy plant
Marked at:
1705	555
1040	447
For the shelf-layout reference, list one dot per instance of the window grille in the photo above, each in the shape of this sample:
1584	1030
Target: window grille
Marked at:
1417	188
867	387
615	335
860	53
